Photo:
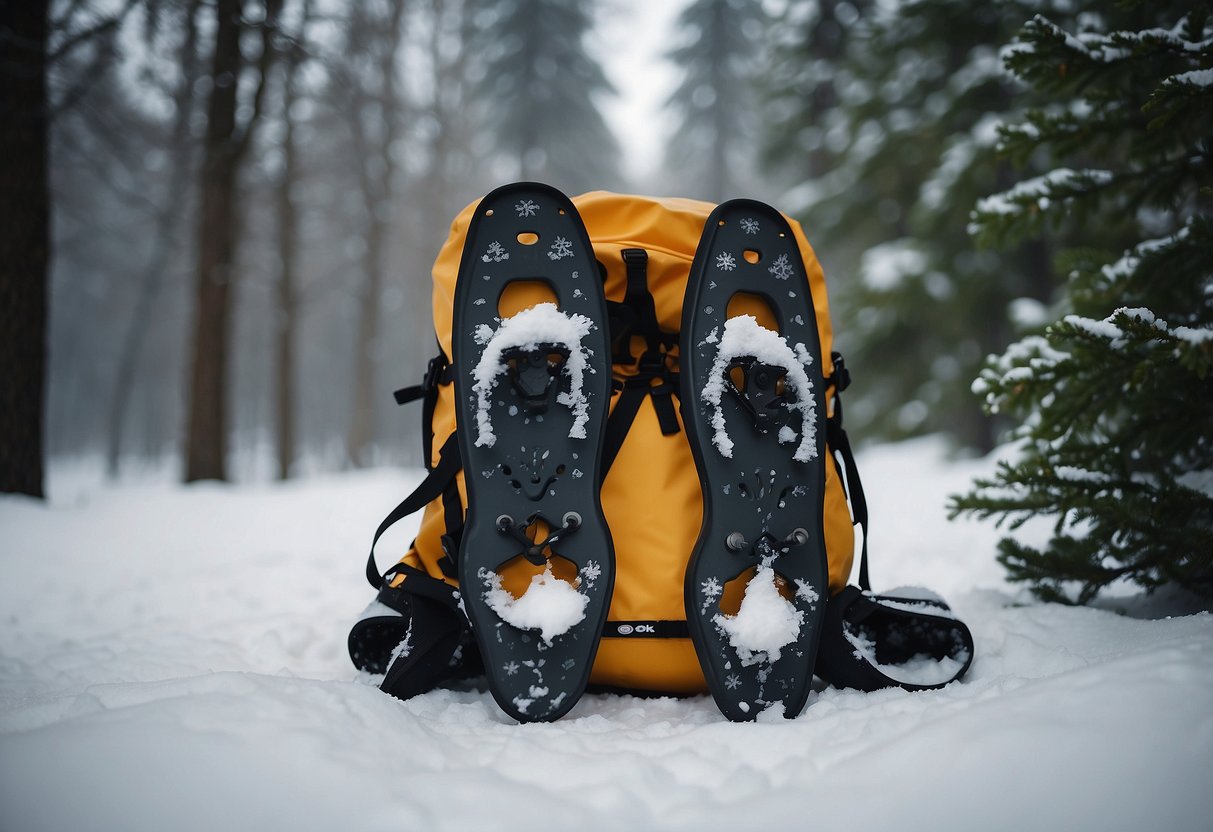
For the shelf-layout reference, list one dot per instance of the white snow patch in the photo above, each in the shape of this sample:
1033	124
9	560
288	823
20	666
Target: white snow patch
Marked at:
744	336
549	605
165	646
540	324
765	623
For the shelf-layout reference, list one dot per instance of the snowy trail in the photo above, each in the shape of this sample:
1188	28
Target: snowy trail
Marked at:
174	658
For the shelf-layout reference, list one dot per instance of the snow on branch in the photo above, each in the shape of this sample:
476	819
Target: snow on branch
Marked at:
1032	197
1100	47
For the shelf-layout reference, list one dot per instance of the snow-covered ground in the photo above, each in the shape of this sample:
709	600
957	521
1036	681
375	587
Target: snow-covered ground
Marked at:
174	658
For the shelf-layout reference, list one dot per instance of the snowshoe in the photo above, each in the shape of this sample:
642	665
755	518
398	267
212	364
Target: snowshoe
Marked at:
536	564
752	403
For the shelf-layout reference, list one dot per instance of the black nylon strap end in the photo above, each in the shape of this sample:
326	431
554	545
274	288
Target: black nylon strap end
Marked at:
408	394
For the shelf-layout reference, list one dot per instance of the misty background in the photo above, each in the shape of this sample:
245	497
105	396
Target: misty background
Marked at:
355	131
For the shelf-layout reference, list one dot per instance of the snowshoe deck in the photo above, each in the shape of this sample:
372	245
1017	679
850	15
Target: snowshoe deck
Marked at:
752	402
533	390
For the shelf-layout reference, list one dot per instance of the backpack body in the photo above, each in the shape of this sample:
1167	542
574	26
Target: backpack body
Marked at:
651	494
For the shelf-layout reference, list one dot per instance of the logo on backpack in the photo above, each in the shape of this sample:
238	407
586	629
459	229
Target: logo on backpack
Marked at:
636	630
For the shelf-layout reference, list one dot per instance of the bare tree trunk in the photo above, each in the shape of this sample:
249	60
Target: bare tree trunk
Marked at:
207	432
24	244
163	245
288	280
224	148
377	195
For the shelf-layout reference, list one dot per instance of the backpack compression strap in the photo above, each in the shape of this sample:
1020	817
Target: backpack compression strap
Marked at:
437	372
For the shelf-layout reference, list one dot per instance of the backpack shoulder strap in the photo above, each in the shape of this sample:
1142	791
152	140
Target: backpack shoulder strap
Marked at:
435	483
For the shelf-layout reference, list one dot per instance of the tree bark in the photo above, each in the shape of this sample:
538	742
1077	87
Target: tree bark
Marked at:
24	244
224	148
207	431
288	280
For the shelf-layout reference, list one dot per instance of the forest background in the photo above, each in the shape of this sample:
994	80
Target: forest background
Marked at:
350	134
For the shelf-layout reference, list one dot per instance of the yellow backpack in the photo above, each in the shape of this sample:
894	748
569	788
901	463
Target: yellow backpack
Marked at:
651	494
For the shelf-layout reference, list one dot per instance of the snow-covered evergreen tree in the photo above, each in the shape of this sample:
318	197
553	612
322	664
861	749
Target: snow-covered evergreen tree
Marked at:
1115	400
887	112
542	89
711	152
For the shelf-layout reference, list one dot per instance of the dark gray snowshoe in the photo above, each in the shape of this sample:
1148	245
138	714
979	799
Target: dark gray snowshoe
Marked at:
533	392
753	406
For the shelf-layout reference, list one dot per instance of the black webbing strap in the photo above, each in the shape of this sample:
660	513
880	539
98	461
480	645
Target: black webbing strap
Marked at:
438	372
430	489
637	315
633	394
638	298
417	582
837	439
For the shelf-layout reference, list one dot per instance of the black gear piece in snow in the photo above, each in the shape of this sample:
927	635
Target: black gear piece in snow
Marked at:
899	630
763	493
530	420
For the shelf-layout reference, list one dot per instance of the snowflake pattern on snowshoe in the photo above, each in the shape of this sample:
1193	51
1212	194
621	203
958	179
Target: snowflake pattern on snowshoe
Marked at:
533	391
751	402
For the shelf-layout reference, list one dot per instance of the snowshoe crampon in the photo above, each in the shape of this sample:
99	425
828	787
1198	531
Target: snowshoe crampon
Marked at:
533	386
752	402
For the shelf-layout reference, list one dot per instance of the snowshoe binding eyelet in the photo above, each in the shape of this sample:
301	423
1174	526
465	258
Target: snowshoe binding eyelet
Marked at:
532	393
751	404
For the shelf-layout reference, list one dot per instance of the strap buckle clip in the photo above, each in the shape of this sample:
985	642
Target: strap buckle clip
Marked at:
434	371
842	376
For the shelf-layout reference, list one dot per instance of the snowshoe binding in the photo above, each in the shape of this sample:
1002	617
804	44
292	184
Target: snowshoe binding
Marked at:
536	564
752	403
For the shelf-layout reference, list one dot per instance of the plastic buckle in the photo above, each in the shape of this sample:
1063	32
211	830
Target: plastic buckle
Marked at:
842	376
433	372
653	364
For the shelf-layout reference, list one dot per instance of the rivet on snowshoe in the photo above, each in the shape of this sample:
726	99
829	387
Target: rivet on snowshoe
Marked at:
798	537
571	520
736	542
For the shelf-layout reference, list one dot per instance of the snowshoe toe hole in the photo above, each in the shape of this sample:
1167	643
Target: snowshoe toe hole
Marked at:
524	294
733	592
517	572
759	307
